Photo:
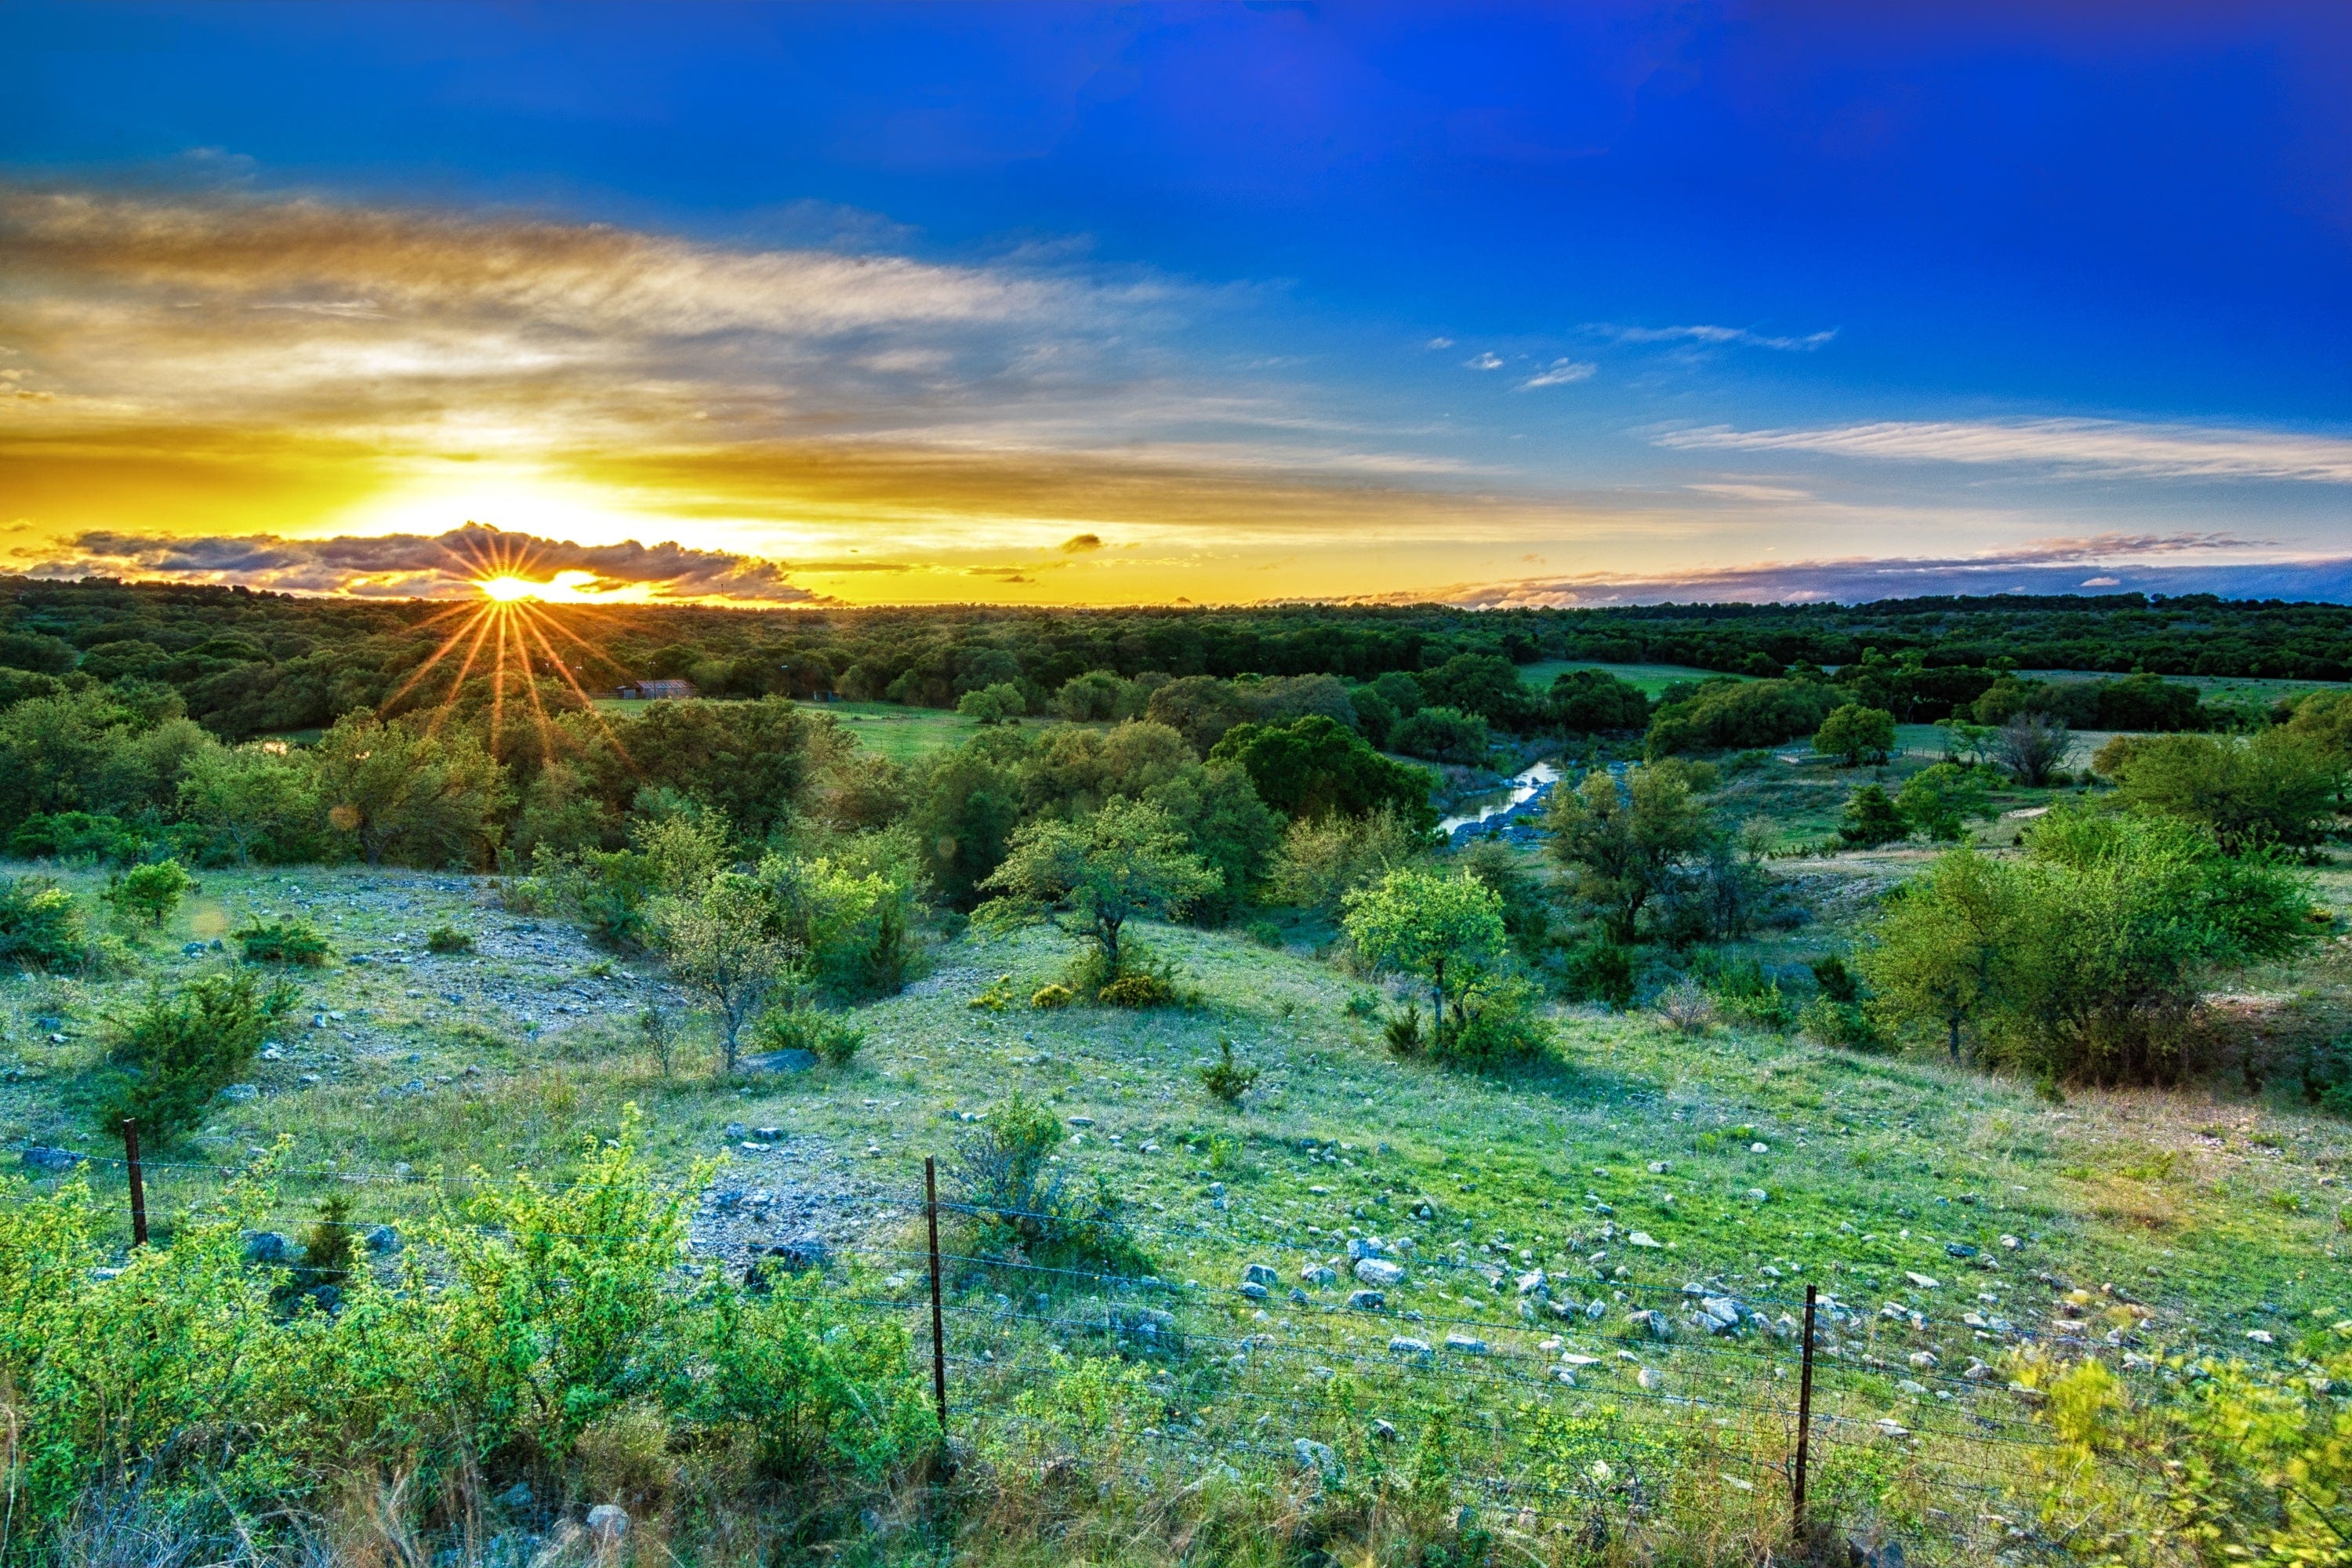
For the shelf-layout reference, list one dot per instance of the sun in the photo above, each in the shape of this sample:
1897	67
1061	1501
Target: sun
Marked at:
563	588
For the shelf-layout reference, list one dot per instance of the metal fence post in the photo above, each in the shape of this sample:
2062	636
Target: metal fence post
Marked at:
138	1187
938	1331
1804	1419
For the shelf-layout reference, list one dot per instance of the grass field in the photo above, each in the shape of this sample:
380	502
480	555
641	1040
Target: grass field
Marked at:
1652	679
1949	1212
900	733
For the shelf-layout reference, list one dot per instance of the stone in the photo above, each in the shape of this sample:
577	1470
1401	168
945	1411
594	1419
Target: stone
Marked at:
1383	1433
1759	1148
1535	1284
1652	1323
382	1240
1466	1344
1082	1121
1914	1389
1367	1300
1649	1377
1362	1246
608	1523
1595	1309
1314	1456
1379	1271
267	1246
1418	1350
1643	1238
1660	1167
237	1093
1318	1275
780	1061
1260	1274
516	1497
769	1134
1758	1195
42	1159
1253	1290
1923	1281
1959	1249
1977	1372
1924	1360
189	949
273	1053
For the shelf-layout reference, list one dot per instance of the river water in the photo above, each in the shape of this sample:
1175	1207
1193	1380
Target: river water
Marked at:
1523	788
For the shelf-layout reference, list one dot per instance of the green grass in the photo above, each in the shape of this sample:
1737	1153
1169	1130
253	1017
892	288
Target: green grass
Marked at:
2219	1208
1652	679
899	733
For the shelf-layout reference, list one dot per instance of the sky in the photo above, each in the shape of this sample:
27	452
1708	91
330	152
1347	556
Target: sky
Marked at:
1115	304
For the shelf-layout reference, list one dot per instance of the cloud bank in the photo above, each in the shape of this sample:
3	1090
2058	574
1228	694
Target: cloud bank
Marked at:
408	565
2102	563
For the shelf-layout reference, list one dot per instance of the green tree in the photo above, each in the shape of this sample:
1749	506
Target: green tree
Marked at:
151	892
408	795
724	945
1941	951
1314	766
1854	735
967	803
1869	819
1625	844
2030	746
259	798
1091	877
998	704
1443	735
180	1048
1938	801
1446	930
2281	787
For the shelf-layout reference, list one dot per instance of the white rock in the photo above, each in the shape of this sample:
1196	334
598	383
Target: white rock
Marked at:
1643	1238
608	1523
1923	1281
1466	1344
1379	1272
1417	1348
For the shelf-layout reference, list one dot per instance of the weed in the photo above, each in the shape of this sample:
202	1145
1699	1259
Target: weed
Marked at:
448	940
1227	1079
658	1032
182	1047
1403	1031
290	941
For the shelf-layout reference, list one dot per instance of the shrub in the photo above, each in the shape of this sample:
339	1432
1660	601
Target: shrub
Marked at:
1938	801
149	893
658	1032
448	940
1045	998
829	1038
1021	1198
1686	1007
1443	735
1403	1031
282	942
1138	988
1844	1023
1496	1022
1266	933
2326	1074
1871	820
995	996
2030	746
181	1048
1227	1079
2281	787
79	836
1743	989
40	925
1600	969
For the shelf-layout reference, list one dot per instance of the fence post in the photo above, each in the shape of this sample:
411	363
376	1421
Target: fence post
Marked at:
938	1331
1804	1419
138	1187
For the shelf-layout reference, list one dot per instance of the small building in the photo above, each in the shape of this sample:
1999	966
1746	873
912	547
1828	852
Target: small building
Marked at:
659	690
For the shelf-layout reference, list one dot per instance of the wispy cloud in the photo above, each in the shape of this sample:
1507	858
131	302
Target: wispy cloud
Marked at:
1559	372
2082	447
1769	495
1742	337
1439	343
2149	564
1488	361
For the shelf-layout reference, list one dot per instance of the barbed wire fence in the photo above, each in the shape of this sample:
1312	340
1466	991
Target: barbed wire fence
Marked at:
1594	1408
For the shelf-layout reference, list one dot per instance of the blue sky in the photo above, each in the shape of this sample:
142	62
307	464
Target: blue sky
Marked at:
1520	304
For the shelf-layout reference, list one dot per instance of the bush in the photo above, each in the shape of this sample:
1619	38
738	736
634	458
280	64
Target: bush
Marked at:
1266	933
1871	820
78	836
1686	1007
1022	1199
448	940
1227	1079
1403	1031
1724	714
1045	998
1844	1023
1138	988
832	1039
2326	1074
149	893
1496	1022
181	1048
40	926
282	942
1938	801
1600	970
1742	989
